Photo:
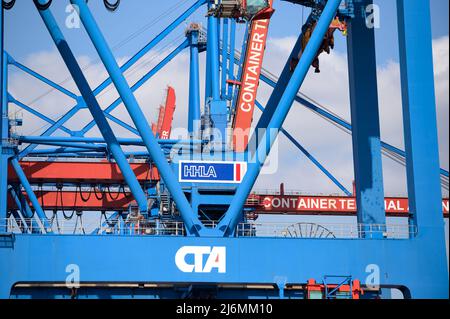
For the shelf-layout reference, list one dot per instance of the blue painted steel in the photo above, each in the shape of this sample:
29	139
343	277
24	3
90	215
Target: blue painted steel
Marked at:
275	97
224	55
310	157
248	261
4	125
139	83
120	140
277	261
153	42
208	92
125	67
419	112
240	64
194	85
339	121
229	222
94	107
190	218
29	190
231	59
13	100
210	172
365	118
52	128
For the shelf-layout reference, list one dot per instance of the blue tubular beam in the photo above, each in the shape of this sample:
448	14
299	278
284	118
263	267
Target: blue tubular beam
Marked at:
229	222
25	210
277	92
42	78
123	141
340	122
190	219
89	147
367	161
194	86
224	58
94	107
240	63
4	128
213	42
62	150
231	58
208	92
38	114
31	196
153	42
52	129
139	83
125	67
311	157
419	112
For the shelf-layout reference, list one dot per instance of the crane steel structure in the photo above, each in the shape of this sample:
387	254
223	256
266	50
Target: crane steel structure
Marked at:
179	219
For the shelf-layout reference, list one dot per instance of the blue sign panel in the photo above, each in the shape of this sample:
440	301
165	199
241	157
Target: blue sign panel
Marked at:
211	172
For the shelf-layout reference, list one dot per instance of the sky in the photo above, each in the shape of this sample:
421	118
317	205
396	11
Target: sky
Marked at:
138	21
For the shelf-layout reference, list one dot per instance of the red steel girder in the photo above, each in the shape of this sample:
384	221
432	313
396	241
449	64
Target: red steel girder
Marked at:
84	201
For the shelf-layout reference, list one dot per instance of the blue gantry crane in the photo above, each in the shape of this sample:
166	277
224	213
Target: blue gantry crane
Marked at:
176	218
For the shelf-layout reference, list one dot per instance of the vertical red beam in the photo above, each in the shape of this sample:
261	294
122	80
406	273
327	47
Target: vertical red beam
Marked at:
245	106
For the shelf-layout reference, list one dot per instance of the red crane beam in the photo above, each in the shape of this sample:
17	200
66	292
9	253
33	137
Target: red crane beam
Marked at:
82	172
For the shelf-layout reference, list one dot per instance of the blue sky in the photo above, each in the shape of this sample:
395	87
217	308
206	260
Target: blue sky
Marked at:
26	33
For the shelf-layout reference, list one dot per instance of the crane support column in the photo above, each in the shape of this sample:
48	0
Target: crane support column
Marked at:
94	107
420	129
190	218
365	121
194	84
229	222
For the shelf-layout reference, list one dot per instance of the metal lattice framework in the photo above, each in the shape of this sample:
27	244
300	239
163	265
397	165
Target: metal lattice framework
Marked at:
163	215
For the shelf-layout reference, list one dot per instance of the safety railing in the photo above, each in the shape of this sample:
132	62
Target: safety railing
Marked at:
176	228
